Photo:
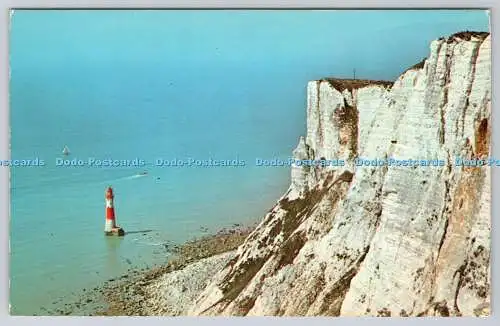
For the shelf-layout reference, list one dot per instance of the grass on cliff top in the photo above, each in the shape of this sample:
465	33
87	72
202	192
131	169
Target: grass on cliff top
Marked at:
467	36
350	84
341	84
416	66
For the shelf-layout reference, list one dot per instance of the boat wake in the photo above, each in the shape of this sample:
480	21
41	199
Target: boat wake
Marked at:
132	177
136	176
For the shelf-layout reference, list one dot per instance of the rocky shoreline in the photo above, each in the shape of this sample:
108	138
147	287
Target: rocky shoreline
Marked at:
131	294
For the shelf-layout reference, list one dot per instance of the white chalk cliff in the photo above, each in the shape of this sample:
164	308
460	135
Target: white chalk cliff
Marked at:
383	241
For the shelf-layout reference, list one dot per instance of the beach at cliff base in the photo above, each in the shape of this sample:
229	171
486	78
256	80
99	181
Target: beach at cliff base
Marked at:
163	290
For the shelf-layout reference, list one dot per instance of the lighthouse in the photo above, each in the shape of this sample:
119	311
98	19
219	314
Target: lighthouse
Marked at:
110	228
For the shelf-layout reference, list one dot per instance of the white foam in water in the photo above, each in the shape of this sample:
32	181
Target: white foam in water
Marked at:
130	177
148	243
134	176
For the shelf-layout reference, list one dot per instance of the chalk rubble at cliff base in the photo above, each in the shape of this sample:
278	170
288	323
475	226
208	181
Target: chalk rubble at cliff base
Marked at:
384	241
173	293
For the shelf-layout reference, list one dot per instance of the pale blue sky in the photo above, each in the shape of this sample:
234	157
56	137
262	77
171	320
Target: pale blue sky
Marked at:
379	43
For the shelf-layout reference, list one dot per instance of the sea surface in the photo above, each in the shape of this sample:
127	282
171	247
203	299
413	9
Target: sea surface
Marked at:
57	212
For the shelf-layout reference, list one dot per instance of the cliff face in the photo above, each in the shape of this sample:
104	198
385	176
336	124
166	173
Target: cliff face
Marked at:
366	240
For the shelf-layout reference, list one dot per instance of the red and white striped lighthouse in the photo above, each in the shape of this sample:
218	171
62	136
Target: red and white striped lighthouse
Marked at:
110	227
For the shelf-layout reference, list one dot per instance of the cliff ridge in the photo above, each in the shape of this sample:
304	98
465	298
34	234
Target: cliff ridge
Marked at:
378	240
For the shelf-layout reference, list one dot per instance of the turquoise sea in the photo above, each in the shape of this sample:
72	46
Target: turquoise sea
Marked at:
167	85
57	214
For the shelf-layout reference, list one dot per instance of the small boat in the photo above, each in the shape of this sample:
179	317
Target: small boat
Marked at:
143	173
65	151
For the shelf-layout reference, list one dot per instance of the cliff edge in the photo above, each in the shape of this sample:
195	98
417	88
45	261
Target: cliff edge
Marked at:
378	240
